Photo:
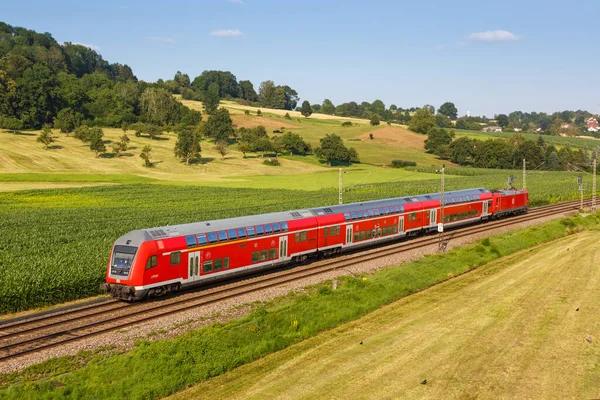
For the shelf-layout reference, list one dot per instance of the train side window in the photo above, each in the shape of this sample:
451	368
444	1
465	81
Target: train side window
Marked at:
284	227
362	235
386	211
201	239
272	253
222	236
412	216
207	266
360	214
353	214
251	232
218	264
190	241
152	262
297	237
394	229
397	209
303	236
232	234
371	213
276	228
241	233
259	230
264	255
347	216
356	236
175	258
376	211
212	237
369	234
268	229
325	230
226	263
255	256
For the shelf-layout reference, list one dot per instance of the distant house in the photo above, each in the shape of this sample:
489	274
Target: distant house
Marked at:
492	129
517	129
592	124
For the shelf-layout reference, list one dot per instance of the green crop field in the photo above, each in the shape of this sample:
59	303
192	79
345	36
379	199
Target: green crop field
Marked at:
54	244
558	141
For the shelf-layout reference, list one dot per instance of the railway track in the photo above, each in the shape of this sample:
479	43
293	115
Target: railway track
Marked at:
42	331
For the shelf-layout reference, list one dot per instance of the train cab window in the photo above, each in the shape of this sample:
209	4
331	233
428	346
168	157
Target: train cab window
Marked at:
376	211
268	229
347	216
232	234
207	266
272	253
251	232
241	233
303	236
284	227
264	255
190	241
353	214
276	228
412	216
222	236
218	264
325	231
255	256
175	258
152	262
201	239
212	237
226	263
259	230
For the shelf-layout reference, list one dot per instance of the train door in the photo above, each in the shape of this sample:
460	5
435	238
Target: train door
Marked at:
401	224
283	248
433	218
485	210
193	266
348	234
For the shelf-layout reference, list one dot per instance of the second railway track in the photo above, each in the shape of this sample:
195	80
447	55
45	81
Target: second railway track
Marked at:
44	331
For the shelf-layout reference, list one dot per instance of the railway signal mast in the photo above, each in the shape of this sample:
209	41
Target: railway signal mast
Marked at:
441	245
580	182
340	188
594	187
524	176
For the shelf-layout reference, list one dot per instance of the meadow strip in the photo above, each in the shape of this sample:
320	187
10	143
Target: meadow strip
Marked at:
157	369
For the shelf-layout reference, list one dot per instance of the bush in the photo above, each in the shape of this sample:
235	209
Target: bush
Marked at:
258	112
403	163
287	116
347	123
247	112
272	162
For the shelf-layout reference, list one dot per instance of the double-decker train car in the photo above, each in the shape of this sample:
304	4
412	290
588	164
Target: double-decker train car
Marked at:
152	262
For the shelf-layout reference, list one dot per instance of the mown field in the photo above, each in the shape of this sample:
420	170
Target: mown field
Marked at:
54	244
156	369
557	141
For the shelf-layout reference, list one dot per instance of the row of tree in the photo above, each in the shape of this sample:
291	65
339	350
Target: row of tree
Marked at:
506	153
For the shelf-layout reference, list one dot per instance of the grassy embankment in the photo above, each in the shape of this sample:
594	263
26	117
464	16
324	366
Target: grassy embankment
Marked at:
154	370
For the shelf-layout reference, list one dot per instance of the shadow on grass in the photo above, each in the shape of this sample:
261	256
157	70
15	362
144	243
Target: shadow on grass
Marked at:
55	147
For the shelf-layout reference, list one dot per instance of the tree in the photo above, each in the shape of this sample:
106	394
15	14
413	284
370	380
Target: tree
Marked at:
375	120
438	142
393	107
211	98
502	120
187	147
222	148
219	126
118	148
45	137
258	112
327	107
244	147
183	80
67	120
449	110
293	143
96	143
247	91
496	153
442	121
377	107
332	149
145	155
287	116
422	121
158	106
429	108
306	109
462	151
86	134
267	95
152	130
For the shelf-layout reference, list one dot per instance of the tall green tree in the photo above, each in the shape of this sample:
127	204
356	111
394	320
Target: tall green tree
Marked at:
45	137
306	109
332	149
145	155
502	120
327	107
187	147
438	142
422	121
449	110
96	142
67	120
219	125
211	98
247	91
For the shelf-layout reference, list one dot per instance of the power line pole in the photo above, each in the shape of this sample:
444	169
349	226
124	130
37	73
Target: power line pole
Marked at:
524	176
580	182
594	188
441	223
340	188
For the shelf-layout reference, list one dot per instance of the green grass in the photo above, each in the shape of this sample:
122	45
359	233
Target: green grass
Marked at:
558	141
74	177
157	369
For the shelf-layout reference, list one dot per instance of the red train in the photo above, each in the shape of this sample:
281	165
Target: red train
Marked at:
152	262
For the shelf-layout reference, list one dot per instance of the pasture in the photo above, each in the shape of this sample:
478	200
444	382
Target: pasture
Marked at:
514	328
558	141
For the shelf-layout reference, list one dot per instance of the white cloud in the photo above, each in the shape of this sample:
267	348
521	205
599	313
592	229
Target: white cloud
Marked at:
162	39
227	32
494	36
91	46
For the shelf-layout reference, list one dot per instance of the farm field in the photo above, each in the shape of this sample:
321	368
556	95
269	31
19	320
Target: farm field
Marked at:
54	244
557	141
514	328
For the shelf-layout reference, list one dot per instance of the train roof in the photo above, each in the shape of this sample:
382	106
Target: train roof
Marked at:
286	216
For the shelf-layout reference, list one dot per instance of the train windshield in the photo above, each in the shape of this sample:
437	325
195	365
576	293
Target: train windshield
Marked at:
122	260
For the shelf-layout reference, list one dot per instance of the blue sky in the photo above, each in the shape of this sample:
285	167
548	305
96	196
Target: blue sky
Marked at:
486	57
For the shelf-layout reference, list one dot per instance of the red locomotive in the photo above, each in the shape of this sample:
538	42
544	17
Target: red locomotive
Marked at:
152	262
